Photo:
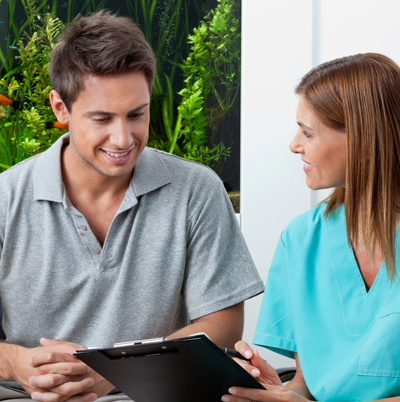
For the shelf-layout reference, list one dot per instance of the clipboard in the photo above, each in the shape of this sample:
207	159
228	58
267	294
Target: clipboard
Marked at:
192	368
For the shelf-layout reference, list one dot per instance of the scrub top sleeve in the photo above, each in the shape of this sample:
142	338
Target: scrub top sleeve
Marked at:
219	269
275	329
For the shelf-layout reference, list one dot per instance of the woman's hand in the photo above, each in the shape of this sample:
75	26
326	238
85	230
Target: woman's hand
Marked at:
266	375
258	368
274	394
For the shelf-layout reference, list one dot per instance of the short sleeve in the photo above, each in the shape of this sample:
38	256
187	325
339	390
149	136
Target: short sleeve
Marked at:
275	329
219	269
2	219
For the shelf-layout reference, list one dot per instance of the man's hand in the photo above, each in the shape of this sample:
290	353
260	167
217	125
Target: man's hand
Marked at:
51	374
59	360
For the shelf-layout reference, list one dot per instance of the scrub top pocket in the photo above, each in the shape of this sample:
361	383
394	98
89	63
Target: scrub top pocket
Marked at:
380	356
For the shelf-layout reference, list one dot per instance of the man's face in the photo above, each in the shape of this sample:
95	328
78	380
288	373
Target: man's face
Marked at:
109	123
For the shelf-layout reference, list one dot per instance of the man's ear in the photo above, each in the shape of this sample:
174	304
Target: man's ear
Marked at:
59	108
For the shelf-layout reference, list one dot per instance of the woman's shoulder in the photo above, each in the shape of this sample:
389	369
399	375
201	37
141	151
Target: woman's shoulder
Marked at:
306	226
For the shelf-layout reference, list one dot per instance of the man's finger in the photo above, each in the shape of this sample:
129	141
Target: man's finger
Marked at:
73	388
49	342
69	369
51	357
48	381
53	397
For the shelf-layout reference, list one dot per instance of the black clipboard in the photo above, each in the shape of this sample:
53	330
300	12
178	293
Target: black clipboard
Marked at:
171	370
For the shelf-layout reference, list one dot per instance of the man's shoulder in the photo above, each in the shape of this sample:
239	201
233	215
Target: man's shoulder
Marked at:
17	177
185	169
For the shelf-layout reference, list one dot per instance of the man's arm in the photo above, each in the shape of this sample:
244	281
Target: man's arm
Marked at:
16	365
224	327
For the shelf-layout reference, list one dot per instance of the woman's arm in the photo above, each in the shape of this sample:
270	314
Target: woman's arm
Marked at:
295	391
298	384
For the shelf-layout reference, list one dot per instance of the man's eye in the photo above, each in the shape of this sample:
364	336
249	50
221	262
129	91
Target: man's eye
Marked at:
102	120
136	115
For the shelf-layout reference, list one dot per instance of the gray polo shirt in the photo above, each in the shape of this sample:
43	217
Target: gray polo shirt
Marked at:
173	253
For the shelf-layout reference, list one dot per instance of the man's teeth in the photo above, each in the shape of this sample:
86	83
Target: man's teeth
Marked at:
117	155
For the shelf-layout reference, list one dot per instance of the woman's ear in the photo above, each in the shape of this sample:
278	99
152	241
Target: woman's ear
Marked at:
59	108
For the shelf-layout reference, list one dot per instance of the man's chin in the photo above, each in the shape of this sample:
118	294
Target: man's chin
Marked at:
112	172
115	175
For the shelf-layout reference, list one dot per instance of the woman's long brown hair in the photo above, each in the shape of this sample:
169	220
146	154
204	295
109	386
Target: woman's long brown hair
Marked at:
360	95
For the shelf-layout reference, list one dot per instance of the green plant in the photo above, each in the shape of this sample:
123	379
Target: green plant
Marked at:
22	127
212	73
166	25
212	78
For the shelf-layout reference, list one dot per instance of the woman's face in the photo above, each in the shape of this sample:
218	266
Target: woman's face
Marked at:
323	149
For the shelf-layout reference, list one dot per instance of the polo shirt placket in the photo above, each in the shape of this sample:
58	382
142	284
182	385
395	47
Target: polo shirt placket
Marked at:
102	257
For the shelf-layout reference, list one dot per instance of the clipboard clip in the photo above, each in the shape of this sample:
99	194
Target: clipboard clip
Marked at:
149	347
140	342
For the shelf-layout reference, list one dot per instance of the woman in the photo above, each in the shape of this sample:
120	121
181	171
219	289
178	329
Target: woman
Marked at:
332	299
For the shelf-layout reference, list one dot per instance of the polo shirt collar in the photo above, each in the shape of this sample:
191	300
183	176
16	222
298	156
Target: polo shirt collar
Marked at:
150	173
47	178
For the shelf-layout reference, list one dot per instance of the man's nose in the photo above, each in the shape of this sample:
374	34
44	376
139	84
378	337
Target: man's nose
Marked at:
121	136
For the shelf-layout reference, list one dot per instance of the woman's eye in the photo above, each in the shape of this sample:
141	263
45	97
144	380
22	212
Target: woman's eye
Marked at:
307	134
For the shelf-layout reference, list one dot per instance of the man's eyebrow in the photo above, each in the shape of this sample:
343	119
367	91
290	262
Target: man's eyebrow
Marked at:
104	113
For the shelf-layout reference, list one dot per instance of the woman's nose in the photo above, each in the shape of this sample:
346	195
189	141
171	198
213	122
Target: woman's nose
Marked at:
295	145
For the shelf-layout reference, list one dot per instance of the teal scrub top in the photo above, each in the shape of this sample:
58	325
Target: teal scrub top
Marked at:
315	303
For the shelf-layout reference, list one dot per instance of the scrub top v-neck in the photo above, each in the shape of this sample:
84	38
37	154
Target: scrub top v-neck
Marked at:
315	303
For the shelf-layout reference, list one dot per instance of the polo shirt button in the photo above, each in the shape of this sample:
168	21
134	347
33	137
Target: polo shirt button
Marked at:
84	228
96	251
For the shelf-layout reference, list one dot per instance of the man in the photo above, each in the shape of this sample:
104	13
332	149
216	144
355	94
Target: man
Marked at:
103	240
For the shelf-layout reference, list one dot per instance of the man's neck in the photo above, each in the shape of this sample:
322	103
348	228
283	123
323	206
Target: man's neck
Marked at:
96	196
80	178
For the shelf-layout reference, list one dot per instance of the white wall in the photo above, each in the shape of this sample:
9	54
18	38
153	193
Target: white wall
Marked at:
282	40
276	49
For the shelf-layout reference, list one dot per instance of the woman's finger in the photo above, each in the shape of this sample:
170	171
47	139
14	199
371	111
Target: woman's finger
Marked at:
273	394
268	374
244	349
255	372
238	394
231	398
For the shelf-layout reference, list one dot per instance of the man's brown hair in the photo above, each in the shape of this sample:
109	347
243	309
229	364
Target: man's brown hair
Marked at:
360	95
102	44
